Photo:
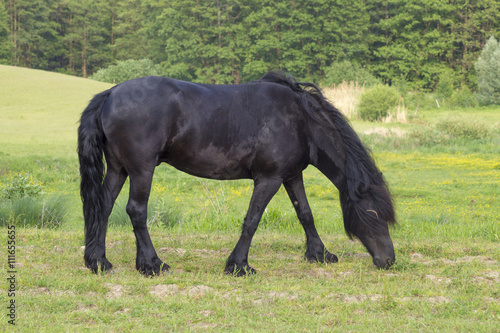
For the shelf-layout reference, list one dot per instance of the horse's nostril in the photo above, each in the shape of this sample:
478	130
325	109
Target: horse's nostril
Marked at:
383	264
390	262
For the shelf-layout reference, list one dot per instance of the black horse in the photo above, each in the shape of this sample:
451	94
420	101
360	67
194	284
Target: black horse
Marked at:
268	130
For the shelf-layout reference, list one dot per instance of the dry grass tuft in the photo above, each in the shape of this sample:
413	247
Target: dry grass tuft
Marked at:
345	97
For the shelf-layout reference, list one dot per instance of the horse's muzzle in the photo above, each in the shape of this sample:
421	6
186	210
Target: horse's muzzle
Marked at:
383	262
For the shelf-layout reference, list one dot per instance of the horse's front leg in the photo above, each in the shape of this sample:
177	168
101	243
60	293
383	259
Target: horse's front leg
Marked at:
264	190
315	248
147	261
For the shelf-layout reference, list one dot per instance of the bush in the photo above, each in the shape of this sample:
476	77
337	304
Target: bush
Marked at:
375	103
127	70
428	136
463	98
22	185
349	72
418	100
461	129
488	73
445	86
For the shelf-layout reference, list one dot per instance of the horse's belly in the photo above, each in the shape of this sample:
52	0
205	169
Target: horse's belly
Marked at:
209	162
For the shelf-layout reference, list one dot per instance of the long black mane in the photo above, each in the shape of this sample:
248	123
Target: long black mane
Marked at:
362	177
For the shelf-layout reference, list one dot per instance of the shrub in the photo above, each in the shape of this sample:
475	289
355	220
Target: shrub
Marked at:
347	71
127	70
375	103
488	73
461	129
22	185
444	88
463	98
418	100
428	136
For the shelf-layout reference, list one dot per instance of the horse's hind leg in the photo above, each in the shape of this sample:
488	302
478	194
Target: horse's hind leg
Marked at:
147	261
113	183
315	248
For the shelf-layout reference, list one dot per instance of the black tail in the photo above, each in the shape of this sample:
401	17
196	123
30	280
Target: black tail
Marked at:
364	195
90	153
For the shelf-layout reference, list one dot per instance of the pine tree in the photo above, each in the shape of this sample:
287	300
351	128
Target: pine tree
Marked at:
5	44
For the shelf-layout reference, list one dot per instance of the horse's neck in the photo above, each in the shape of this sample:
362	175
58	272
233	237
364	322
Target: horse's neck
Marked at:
328	154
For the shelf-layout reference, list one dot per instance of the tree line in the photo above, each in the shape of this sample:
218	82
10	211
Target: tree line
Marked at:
224	41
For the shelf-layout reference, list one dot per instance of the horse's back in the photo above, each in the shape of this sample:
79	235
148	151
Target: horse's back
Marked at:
213	131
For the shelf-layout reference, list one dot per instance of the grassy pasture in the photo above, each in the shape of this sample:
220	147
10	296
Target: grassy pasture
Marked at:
447	242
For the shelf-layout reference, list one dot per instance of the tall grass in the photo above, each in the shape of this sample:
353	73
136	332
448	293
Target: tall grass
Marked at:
41	212
345	97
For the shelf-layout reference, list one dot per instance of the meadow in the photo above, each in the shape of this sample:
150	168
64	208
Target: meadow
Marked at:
443	168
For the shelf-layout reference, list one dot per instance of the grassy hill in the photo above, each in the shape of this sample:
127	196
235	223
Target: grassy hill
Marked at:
39	111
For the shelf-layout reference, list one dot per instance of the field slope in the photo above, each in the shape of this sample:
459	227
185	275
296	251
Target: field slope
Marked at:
39	111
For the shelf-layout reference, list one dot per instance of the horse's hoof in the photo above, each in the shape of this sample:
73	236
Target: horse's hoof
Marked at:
110	271
239	270
156	268
93	265
330	257
325	257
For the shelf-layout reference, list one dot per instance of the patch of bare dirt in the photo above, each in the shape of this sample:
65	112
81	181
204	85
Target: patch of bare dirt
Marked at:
350	299
205	313
360	298
492	300
490	278
199	291
35	291
284	295
438	280
163	290
85	308
203	326
177	251
438	299
122	311
199	252
115	290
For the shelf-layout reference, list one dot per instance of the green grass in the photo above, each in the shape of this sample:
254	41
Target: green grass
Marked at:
446	277
433	287
39	111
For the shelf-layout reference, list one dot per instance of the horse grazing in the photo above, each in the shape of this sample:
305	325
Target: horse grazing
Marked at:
267	130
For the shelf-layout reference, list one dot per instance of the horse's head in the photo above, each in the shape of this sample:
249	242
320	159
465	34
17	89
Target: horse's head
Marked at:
369	220
378	243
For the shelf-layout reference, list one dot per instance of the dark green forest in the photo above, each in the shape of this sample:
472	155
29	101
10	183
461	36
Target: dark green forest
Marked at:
221	41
